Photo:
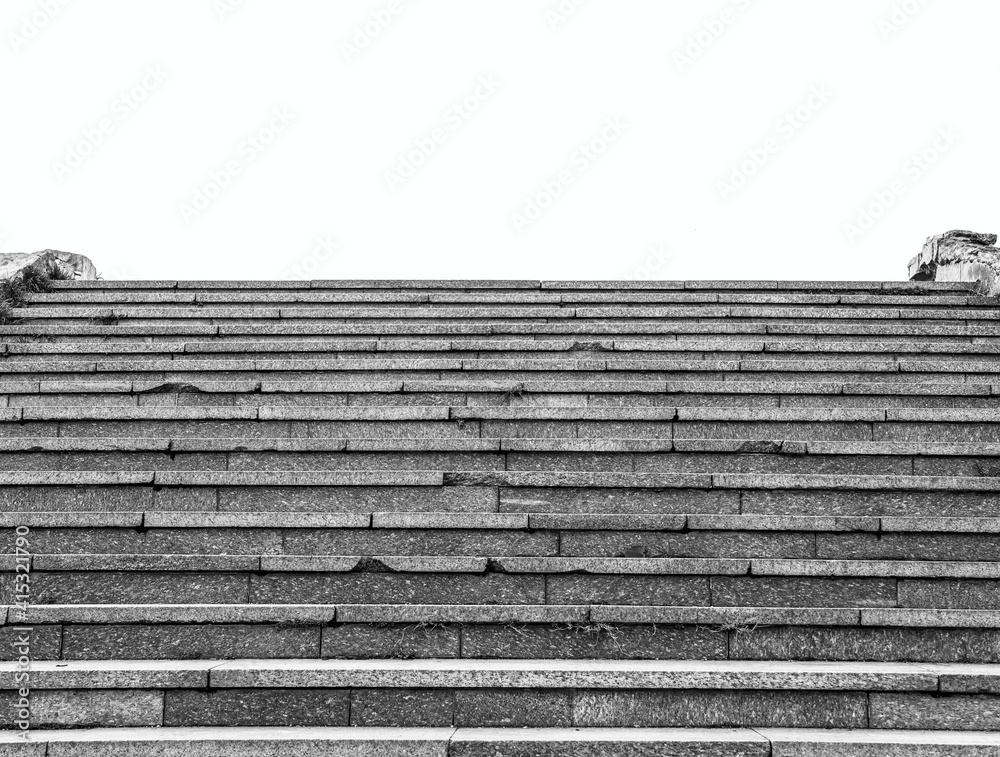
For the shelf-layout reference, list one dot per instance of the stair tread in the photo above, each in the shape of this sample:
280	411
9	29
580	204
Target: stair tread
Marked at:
446	741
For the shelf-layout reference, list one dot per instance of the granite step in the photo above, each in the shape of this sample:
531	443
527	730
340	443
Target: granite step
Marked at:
903	371
355	491
484	521
399	349
563	412
896	287
346	298
616	316
473	454
590	330
886	544
460	393
325	631
726	582
40	563
517	693
512	742
504	479
222	422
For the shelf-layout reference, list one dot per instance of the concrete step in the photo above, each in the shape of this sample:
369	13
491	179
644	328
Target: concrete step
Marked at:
513	479
400	349
554	422
471	454
483	521
896	287
515	492
226	579
506	371
563	412
624	454
623	318
893	540
461	393
517	693
369	741
40	563
322	631
512	392
111	326
288	296
519	306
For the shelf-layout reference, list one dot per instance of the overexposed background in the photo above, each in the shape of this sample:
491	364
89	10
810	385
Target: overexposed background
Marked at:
518	139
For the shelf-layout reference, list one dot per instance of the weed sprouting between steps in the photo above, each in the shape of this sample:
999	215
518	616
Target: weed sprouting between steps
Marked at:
35	279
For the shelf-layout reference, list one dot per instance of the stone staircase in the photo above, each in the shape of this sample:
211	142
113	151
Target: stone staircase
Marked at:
518	518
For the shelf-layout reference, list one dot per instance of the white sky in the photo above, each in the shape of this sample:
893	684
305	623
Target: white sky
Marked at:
317	201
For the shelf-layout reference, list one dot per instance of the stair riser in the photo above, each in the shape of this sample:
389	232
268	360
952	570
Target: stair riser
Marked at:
516	429
515	461
506	641
459	399
489	499
506	708
511	543
82	354
123	587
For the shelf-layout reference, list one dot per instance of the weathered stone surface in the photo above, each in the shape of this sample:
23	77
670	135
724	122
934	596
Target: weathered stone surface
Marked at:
804	592
924	711
402	708
594	640
109	708
513	708
727	544
381	639
417	541
234	708
595	742
949	594
877	644
237	742
187	642
728	709
626	590
82	587
388	588
880	743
